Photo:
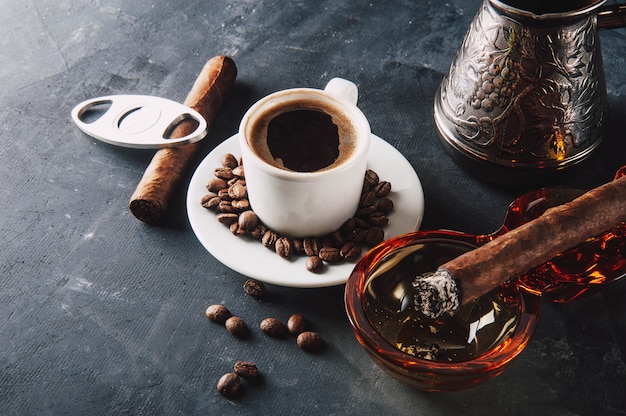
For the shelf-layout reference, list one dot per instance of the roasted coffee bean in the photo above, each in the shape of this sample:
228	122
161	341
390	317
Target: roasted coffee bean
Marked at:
239	172
378	219
229	385
366	187
236	326
269	239
223	194
329	254
254	288
216	184
205	201
310	341
358	235
223	173
248	220
348	226
361	222
311	246
229	161
225	206
368	199
227	218
382	189
296	324
385	205
274	328
350	251
338	239
246	369
257	232
374	236
235	181
365	212
237	191
241	204
283	247
314	264
371	178
236	230
218	313
298	246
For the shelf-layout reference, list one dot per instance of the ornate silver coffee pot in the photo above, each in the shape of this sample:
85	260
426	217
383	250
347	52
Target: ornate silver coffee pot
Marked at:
526	91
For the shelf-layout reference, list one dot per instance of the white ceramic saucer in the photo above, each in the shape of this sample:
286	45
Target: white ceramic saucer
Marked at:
252	259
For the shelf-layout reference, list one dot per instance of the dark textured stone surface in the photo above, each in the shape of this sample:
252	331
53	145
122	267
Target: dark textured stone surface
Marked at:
102	314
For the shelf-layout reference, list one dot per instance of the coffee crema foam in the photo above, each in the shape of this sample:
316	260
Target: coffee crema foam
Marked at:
303	136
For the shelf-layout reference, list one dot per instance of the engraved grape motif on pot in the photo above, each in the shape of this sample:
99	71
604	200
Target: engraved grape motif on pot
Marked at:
526	93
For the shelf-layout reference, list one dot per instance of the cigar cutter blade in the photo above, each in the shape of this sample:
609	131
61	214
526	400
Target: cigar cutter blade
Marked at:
138	121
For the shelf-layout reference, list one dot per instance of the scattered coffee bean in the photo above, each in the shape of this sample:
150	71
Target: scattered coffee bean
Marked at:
311	246
229	385
378	219
296	324
227	218
237	191
273	327
254	288
298	246
216	184
368	199
237	327
329	254
241	204
211	201
237	230
223	173
248	220
225	206
382	189
283	247
350	251
365	212
246	369
374	236
218	313
257	232
385	205
269	239
238	171
310	341
223	194
338	239
229	161
371	178
314	264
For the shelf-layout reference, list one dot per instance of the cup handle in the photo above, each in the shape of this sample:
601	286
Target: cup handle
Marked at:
344	89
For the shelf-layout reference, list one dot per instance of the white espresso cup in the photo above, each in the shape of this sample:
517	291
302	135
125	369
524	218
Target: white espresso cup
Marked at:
304	172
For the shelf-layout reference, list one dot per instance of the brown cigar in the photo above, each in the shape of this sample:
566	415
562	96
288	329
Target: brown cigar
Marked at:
162	177
469	276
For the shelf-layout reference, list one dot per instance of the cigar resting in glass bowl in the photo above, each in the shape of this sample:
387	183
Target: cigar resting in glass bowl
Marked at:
465	278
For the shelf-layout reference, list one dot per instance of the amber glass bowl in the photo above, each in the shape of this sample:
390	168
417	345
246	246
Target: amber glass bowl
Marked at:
376	302
452	354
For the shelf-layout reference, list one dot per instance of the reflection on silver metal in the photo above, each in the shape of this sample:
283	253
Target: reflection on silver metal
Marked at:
138	121
525	91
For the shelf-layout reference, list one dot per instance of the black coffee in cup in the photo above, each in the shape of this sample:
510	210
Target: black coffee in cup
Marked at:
303	136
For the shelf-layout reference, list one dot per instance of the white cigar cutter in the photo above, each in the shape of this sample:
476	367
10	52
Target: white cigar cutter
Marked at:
138	121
